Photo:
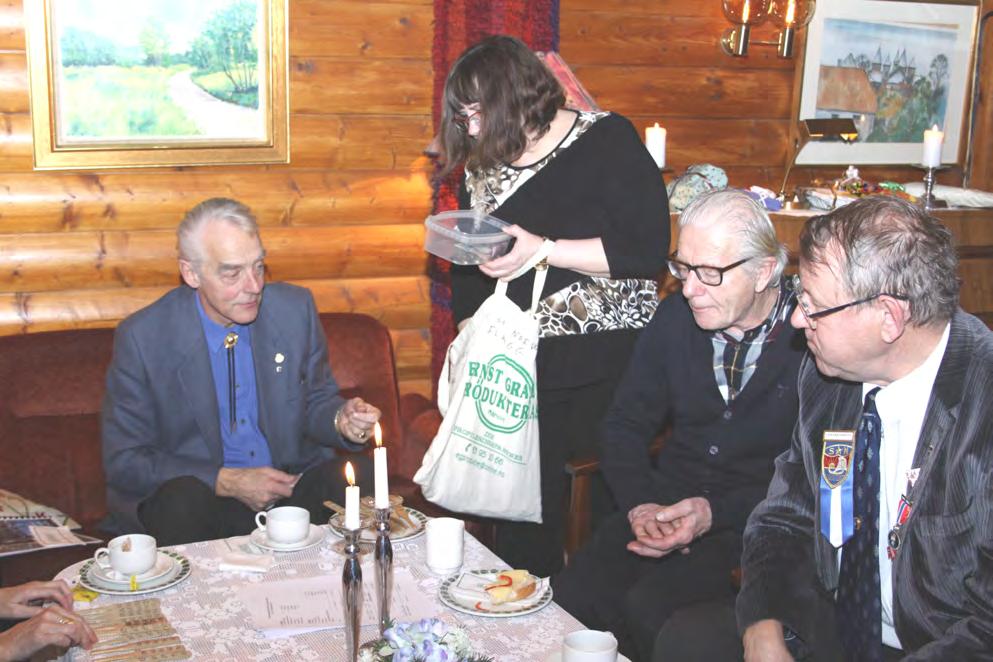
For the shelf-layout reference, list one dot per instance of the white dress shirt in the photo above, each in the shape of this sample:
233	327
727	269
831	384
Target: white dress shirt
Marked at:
902	405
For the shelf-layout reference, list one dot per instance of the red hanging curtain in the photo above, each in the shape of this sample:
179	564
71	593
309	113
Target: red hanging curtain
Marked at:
457	25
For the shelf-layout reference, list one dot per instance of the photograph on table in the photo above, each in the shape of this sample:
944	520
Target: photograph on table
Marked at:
162	82
895	79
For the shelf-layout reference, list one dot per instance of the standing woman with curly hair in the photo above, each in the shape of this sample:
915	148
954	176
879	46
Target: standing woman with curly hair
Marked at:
585	181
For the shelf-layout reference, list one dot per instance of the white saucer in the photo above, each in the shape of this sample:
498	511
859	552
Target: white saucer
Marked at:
180	570
163	564
557	657
316	535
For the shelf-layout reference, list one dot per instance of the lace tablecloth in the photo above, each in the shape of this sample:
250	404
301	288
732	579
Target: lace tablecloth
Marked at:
214	625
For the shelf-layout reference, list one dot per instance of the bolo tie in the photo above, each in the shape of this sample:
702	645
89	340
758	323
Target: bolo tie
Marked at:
230	341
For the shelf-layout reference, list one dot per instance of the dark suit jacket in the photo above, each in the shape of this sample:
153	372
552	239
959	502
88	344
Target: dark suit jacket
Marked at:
160	417
943	573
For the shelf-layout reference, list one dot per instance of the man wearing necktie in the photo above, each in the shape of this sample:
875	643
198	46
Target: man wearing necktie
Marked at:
220	400
875	541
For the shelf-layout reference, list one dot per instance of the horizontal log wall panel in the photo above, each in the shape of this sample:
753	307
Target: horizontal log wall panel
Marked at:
365	29
722	141
358	142
13	82
339	142
400	303
690	91
976	295
644	9
49	202
412	348
15	142
91	260
604	38
11	26
335	85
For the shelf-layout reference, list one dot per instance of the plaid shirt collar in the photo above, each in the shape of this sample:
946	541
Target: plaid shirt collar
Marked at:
735	359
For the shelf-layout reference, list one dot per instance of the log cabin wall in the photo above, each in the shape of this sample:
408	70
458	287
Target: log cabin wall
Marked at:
659	61
80	249
344	218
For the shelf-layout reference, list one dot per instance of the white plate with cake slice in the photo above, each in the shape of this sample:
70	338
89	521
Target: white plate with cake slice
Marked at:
466	593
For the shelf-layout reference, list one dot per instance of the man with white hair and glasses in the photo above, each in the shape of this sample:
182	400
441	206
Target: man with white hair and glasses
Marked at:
718	365
875	541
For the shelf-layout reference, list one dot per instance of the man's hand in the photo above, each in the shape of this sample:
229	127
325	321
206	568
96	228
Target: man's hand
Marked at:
764	642
355	420
659	530
15	600
257	487
53	626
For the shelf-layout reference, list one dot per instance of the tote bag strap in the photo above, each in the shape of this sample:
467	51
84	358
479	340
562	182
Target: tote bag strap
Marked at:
541	271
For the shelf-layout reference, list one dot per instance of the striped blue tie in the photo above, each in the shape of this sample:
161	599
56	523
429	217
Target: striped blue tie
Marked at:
859	609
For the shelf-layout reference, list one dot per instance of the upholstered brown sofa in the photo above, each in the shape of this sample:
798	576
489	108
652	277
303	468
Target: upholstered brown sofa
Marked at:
52	385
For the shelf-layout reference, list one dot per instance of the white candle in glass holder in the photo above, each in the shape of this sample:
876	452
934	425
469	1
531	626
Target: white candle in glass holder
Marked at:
382	484
933	139
655	142
351	499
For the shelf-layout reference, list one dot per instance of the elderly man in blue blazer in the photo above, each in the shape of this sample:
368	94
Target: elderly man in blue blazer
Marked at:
875	541
220	400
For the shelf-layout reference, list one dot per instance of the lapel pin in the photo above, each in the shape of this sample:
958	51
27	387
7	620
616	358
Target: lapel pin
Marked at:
279	358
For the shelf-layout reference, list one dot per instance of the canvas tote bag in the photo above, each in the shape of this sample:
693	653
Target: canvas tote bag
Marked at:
484	459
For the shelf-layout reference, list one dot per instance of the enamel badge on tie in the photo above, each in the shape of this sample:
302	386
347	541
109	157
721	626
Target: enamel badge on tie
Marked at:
837	504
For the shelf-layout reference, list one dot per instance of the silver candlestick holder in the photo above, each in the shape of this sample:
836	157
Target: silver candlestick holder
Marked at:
351	592
928	200
384	566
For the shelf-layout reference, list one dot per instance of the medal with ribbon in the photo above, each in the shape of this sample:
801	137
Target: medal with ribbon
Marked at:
837	503
894	539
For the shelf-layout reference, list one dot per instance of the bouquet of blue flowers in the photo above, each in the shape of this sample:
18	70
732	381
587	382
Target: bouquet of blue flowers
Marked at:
427	640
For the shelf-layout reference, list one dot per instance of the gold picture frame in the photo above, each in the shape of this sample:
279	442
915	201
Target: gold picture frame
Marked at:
177	98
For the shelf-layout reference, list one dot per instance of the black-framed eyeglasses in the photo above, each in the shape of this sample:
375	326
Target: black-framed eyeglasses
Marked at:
465	121
708	275
812	316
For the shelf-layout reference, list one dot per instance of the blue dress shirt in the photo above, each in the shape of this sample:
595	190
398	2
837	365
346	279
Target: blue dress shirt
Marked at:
245	446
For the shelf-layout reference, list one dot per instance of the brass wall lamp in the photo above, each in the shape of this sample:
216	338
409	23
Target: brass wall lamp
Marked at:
788	15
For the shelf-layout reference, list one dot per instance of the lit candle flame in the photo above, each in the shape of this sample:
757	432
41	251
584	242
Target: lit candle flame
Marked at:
934	128
790	12
349	473
377	433
745	11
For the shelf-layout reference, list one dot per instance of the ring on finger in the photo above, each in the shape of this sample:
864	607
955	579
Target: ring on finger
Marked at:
65	621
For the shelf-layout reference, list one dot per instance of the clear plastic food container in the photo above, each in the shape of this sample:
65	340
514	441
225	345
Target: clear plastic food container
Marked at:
466	236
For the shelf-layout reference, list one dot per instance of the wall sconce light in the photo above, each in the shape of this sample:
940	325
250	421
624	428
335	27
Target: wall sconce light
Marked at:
827	129
743	14
788	15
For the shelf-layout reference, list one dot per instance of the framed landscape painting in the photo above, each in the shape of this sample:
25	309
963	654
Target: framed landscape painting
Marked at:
118	83
896	68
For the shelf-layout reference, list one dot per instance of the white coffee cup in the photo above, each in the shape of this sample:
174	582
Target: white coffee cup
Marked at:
128	555
445	540
284	525
589	646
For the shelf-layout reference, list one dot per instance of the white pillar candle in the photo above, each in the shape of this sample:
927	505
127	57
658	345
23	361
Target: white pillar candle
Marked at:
379	463
655	142
932	147
351	499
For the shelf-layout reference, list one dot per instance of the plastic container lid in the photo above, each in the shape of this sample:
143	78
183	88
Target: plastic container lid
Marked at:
466	236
